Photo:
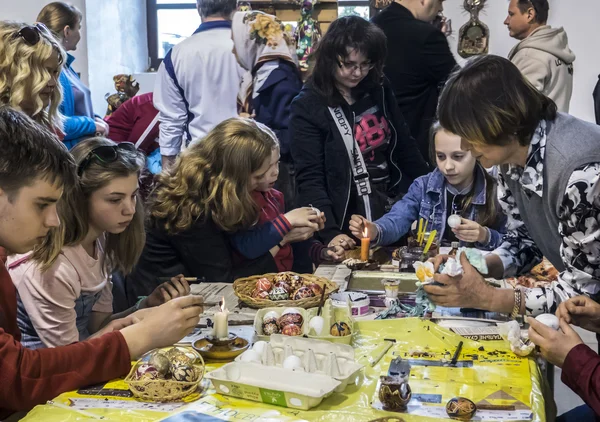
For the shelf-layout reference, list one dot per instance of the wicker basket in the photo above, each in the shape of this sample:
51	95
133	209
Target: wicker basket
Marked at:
163	390
244	287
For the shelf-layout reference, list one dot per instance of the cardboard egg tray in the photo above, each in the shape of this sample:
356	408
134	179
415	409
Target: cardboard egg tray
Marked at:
272	385
317	356
330	314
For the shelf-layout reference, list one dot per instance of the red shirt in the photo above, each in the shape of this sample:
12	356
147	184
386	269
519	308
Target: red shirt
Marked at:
31	377
271	206
581	373
128	122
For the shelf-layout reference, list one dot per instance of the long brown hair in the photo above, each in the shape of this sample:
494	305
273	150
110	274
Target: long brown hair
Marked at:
488	216
121	251
211	179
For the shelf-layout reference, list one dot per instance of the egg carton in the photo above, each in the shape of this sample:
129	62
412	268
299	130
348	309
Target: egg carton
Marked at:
272	385
330	314
309	355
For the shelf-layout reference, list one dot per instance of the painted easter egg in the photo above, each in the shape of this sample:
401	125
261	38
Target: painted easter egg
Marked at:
181	359
340	329
316	289
282	285
260	294
287	311
278	293
270	328
288	319
146	372
291	330
303	293
270	315
160	362
184	373
394	393
295	282
263	284
461	408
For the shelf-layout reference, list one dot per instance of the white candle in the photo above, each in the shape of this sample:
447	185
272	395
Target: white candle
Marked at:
221	329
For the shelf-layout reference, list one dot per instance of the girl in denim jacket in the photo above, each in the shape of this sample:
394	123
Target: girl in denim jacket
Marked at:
459	185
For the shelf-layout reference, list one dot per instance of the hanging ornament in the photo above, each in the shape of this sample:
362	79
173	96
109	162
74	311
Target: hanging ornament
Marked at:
474	36
308	32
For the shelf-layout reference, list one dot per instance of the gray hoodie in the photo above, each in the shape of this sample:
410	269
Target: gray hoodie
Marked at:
546	60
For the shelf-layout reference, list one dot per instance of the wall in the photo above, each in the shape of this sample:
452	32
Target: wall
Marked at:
27	11
579	18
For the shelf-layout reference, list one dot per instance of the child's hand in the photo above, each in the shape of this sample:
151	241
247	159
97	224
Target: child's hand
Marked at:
304	217
344	241
299	234
333	253
358	225
470	231
176	287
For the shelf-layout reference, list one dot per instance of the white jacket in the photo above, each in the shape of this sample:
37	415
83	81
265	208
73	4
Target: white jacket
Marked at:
196	86
546	60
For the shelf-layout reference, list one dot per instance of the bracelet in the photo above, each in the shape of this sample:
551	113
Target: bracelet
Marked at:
280	245
517	307
139	302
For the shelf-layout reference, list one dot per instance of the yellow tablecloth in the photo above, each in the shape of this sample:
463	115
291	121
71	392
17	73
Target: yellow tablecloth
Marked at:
496	377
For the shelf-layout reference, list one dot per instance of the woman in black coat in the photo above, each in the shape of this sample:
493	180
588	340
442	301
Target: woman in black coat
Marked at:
349	141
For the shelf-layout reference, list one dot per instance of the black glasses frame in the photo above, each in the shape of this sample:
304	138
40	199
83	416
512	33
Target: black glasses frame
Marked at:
106	154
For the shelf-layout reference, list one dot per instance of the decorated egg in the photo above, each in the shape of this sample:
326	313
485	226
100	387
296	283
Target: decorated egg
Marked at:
549	320
282	278
291	330
454	220
146	372
259	347
394	393
287	311
184	373
340	329
263	284
250	356
316	323
278	293
260	294
316	289
270	328
181	359
288	319
160	362
295	282
270	315
303	293
292	362
461	408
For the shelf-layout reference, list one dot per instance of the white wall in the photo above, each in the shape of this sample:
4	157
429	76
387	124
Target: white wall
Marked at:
27	11
580	20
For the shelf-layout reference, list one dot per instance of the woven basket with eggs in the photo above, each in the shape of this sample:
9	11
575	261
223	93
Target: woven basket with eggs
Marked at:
282	290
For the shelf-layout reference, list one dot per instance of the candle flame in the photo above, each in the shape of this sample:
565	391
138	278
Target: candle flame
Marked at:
223	304
365	233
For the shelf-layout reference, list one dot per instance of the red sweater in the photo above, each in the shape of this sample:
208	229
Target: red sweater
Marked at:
581	373
271	206
128	122
31	377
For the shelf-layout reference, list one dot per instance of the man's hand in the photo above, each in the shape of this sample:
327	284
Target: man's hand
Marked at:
554	345
358	224
581	311
344	241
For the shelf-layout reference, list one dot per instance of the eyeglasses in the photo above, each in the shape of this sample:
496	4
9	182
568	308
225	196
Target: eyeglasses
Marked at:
351	67
106	154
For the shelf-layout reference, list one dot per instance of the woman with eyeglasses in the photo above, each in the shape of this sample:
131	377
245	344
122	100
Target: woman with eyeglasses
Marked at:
64	21
31	60
64	286
350	143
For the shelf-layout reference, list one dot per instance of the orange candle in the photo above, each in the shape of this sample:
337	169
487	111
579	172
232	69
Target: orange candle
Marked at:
365	244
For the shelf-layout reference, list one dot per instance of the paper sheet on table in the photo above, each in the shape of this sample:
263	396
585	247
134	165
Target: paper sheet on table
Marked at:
214	292
497	377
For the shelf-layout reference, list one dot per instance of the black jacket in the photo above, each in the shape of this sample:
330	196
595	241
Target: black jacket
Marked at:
203	251
418	63
323	172
596	96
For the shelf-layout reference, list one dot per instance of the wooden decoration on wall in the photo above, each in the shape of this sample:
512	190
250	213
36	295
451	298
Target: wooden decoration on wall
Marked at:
474	36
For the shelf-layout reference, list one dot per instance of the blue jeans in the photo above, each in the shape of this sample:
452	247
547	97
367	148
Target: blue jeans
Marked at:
579	414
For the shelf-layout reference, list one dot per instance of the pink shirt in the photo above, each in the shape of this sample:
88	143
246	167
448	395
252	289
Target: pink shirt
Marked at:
49	297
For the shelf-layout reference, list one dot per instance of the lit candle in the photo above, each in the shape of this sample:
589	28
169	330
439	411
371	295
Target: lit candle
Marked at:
221	330
365	244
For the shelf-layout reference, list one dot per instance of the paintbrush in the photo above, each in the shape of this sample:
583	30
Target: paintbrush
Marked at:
390	343
456	354
322	301
188	279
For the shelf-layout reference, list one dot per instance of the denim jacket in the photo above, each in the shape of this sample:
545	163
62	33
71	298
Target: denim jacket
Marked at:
426	198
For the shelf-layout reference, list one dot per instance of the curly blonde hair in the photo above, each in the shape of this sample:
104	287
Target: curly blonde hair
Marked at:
121	251
23	74
211	179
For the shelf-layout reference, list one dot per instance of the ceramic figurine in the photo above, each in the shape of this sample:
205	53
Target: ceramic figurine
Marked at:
184	373
307	34
263	284
461	408
291	330
394	393
474	36
146	372
340	329
160	362
303	293
278	293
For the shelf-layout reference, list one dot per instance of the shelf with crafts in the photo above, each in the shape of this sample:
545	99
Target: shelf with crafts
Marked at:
325	11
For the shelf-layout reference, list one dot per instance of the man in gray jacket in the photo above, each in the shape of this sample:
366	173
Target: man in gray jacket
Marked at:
543	54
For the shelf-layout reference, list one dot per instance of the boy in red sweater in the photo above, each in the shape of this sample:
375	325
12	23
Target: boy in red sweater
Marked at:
34	169
276	232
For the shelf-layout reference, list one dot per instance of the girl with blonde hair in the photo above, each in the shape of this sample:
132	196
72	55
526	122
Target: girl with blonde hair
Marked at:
64	286
31	60
197	203
64	21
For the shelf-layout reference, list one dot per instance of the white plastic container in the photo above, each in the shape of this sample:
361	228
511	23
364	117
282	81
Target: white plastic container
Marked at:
272	385
359	302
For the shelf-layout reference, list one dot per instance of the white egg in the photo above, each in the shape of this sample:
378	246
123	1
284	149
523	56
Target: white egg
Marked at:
259	347
316	323
250	356
293	362
454	220
290	311
548	319
271	314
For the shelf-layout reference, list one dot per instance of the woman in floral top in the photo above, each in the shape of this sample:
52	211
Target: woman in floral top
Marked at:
548	186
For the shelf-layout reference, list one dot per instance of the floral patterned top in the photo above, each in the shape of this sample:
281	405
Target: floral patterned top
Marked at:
579	216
